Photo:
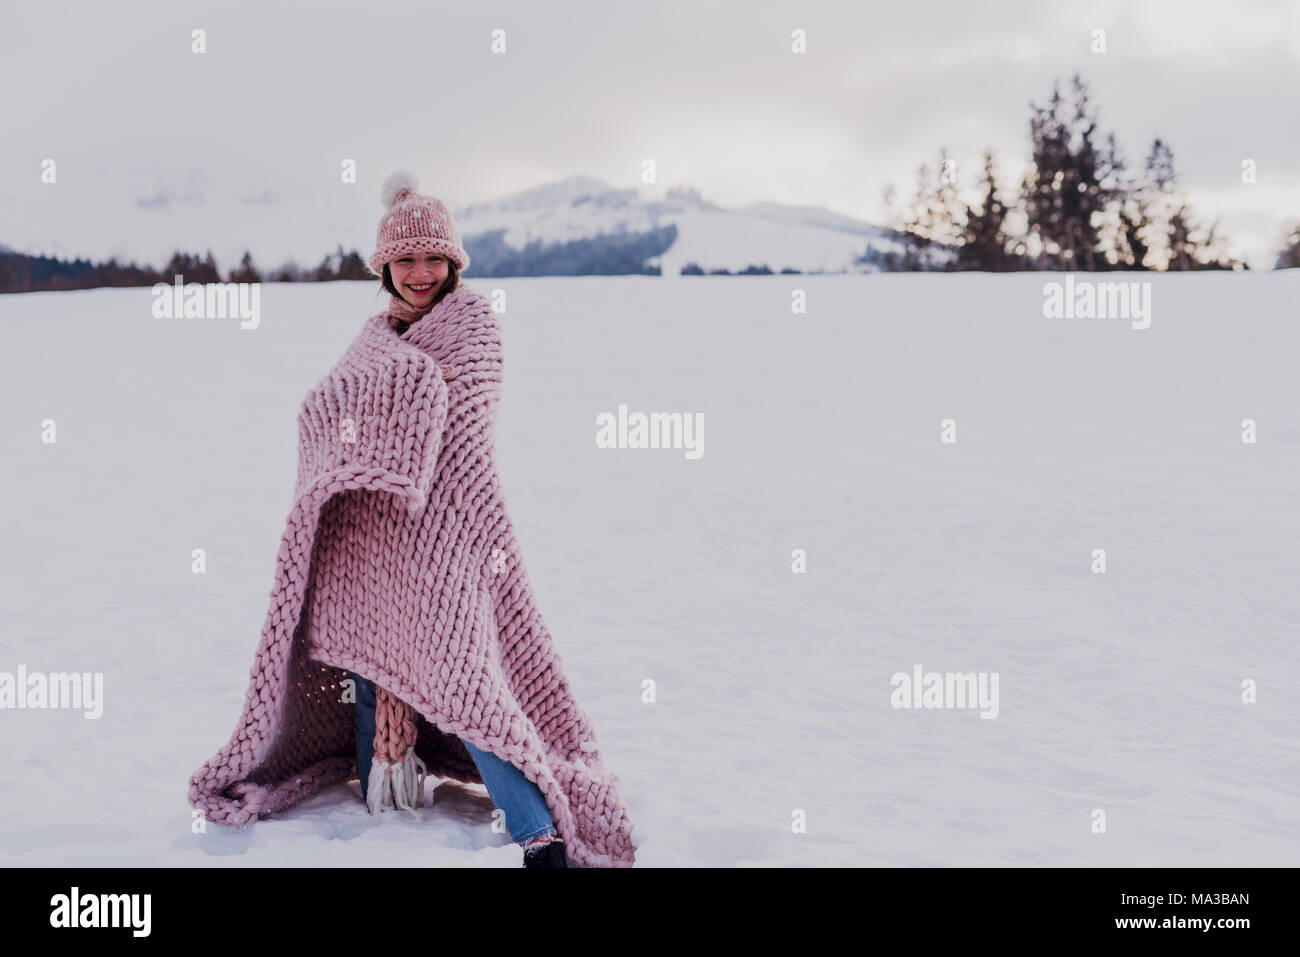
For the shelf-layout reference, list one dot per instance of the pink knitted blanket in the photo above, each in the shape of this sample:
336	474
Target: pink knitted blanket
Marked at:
399	562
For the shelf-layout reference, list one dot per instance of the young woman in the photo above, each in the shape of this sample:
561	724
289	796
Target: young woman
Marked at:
426	268
399	569
420	279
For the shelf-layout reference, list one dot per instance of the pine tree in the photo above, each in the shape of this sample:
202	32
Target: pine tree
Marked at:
352	266
949	212
1177	240
1071	182
1123	217
1163	209
1289	256
984	244
207	269
936	222
245	271
1128	245
325	271
919	223
1042	186
180	265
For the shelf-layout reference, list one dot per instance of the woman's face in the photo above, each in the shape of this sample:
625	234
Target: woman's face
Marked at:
418	276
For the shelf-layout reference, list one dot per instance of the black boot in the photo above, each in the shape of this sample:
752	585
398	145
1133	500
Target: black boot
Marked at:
546	855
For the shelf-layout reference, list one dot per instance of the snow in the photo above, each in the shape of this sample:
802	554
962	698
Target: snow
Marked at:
763	234
731	240
1118	692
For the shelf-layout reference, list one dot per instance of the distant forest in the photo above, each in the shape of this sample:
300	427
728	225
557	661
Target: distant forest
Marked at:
22	273
1079	207
618	255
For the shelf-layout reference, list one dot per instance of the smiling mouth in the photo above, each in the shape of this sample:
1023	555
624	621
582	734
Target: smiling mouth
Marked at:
423	287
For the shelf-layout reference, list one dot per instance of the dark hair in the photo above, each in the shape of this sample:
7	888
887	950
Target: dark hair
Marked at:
448	284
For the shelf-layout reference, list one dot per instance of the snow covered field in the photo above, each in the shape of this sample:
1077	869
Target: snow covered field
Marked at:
1119	692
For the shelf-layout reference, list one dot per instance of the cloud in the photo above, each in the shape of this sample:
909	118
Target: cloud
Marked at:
712	93
264	198
164	201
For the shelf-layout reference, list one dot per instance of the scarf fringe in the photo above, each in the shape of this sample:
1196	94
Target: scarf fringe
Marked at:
395	782
396	785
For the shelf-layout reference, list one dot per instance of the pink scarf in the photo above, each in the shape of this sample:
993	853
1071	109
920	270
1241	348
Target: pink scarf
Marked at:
401	314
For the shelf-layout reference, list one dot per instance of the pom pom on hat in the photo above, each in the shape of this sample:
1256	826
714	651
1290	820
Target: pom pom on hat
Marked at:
395	183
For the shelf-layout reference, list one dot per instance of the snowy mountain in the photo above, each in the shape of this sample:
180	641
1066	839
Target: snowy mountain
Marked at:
583	226
579	226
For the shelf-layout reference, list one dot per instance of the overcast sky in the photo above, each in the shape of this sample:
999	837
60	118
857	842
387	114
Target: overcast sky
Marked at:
158	147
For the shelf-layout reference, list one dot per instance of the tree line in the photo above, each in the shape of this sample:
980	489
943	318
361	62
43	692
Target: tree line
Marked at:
20	272
1078	207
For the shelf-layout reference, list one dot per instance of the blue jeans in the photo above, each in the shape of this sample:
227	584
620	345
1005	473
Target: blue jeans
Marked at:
527	815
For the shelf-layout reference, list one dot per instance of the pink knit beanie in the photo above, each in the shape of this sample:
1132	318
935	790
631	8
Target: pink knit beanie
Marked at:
413	223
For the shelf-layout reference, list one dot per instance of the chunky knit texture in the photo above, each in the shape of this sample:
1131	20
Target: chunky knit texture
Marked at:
399	562
413	223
